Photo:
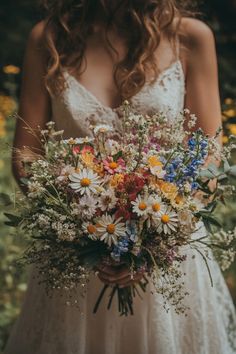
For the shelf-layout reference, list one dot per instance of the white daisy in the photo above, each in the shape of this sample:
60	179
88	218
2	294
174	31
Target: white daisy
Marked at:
156	207
85	182
65	172
110	229
74	141
112	147
102	128
141	205
167	222
91	230
107	200
86	208
85	140
158	171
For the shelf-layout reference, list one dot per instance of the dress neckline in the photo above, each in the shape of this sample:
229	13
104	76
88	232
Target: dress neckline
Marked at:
170	68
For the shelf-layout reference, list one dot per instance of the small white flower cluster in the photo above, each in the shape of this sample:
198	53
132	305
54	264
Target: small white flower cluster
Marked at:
66	231
35	190
227	254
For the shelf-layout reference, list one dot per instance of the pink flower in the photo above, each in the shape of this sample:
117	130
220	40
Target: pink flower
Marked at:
76	149
112	166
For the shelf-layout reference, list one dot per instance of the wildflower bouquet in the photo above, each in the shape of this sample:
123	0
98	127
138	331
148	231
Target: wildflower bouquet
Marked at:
127	196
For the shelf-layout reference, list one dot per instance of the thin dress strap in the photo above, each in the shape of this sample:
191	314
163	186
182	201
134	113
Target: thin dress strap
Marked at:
177	47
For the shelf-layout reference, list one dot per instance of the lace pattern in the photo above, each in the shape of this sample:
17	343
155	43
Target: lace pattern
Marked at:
77	103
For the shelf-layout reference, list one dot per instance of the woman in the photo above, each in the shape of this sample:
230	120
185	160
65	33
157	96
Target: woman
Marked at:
84	60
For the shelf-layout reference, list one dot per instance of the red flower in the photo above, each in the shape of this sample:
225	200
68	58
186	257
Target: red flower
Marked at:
87	148
123	212
133	184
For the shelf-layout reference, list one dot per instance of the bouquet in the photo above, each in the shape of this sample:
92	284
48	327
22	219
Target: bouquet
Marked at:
133	196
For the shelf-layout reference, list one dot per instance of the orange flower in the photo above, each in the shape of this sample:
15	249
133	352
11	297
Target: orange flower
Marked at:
116	179
169	190
98	168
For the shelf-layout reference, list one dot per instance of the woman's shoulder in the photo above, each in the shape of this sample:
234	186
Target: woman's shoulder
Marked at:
195	33
37	33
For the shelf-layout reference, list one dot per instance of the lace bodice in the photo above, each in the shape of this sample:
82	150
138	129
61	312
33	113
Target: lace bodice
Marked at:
76	104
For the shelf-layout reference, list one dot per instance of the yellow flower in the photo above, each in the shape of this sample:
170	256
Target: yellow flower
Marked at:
116	179
7	105
169	190
178	201
230	113
71	141
232	128
229	101
153	161
98	169
11	69
87	158
225	139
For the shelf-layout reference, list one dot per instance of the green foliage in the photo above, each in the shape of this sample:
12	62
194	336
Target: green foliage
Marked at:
12	279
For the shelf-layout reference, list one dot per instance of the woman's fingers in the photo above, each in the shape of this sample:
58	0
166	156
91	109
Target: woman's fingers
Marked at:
111	270
120	278
114	277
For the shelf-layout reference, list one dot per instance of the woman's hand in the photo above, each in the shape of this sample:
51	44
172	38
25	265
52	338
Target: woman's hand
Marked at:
121	275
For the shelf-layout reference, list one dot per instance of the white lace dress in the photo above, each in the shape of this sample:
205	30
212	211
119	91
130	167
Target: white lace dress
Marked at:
47	326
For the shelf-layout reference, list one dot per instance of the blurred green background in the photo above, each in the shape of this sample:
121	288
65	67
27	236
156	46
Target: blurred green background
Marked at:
16	20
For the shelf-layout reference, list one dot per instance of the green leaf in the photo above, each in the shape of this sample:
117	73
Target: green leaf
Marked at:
232	171
117	156
14	220
24	180
226	166
5	200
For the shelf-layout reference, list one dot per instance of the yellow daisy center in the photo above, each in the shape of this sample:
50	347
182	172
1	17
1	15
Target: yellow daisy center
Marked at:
85	182
142	206
71	141
91	229
156	207
113	165
165	218
111	228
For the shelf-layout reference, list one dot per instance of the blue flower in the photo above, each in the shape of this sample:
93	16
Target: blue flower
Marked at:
204	144
120	248
194	185
192	143
132	230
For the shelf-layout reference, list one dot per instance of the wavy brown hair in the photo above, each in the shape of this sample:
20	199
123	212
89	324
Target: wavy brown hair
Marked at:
141	23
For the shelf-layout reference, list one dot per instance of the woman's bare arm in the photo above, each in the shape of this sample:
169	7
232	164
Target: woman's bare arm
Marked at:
202	89
34	107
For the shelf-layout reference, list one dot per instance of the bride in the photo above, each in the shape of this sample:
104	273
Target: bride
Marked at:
83	60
